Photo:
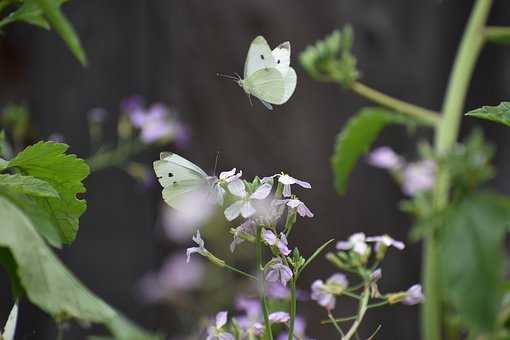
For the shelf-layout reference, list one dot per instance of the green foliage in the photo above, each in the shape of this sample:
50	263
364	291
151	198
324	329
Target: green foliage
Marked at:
48	162
331	59
10	325
49	285
469	163
498	35
356	139
27	185
499	114
472	252
42	13
16	119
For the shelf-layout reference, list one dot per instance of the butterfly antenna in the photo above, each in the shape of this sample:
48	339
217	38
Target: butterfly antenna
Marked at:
216	162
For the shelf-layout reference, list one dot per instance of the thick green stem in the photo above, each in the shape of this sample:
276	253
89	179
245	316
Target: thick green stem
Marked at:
418	112
446	135
293	305
258	245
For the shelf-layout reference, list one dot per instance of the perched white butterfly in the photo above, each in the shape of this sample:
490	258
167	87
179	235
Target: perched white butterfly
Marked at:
183	182
267	74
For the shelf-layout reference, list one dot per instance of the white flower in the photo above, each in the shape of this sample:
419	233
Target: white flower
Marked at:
302	209
386	241
243	206
418	177
287	181
384	157
225	178
200	249
216	332
356	242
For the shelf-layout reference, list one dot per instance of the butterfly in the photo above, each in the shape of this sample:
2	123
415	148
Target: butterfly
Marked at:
183	182
267	74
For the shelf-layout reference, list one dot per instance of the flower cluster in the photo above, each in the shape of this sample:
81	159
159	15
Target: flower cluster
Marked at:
414	178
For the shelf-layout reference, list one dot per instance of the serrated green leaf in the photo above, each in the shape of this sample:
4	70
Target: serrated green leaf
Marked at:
472	253
59	22
27	185
10	325
47	161
49	285
356	138
499	114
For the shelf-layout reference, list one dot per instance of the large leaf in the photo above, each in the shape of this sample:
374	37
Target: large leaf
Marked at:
499	114
472	253
356	139
27	185
59	22
47	161
49	285
10	325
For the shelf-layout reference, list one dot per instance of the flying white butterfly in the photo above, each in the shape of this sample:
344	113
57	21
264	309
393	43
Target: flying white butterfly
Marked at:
267	74
183	182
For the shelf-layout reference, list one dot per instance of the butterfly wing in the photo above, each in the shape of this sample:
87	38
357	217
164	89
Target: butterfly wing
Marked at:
178	177
289	81
281	55
259	57
268	85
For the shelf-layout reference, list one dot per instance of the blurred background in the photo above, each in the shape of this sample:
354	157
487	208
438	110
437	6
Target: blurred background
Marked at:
170	52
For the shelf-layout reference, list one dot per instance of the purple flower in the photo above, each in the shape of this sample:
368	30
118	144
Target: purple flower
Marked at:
302	209
279	317
200	249
324	293
356	242
276	271
414	295
131	104
243	206
418	177
299	330
155	123
174	278
251	322
247	228
272	240
275	290
287	181
384	157
385	241
216	332
376	275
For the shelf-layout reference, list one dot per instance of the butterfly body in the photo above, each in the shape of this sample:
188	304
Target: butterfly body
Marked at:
267	74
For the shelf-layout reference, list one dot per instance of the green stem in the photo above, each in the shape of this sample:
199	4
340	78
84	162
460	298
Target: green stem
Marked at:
337	326
446	135
422	114
258	244
234	269
293	307
498	34
361	313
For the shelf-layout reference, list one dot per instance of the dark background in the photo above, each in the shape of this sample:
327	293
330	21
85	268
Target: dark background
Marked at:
170	51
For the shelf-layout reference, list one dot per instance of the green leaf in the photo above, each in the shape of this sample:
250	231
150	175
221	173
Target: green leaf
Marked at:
29	12
10	325
59	22
10	266
499	114
27	185
314	255
356	139
472	253
49	285
47	161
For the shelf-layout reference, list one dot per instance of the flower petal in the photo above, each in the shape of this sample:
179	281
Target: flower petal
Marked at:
237	188
262	192
233	211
